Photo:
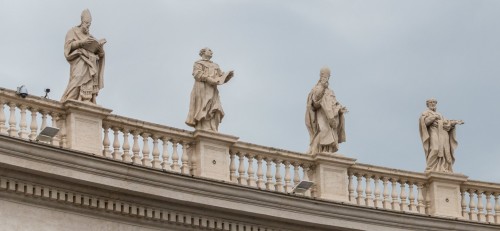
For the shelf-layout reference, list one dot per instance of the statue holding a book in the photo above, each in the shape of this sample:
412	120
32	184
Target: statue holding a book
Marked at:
205	109
85	55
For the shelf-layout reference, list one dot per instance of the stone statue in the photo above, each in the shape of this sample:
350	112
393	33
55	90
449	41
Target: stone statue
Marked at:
205	109
86	58
438	139
324	117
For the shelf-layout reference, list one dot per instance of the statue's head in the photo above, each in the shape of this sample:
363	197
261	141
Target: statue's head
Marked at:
324	74
206	53
431	104
86	21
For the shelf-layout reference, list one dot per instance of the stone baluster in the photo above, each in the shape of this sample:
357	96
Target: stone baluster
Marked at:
385	182
55	119
260	173
359	189
250	171
241	169
497	208
44	119
126	146
480	206
23	124
489	208
296	176
377	200
156	163
232	168
106	152
165	164
463	203
116	144
427	200
305	169
12	120
62	131
420	198
136	158
413	206
185	159
368	190
175	157
277	175
472	206
269	174
33	124
350	188
3	127
146	160
394	195
288	177
403	196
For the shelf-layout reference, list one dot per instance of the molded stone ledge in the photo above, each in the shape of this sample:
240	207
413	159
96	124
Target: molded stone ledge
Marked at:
215	137
214	197
73	106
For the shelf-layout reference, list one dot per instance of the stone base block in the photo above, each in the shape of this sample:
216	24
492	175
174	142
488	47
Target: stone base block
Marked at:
84	126
211	154
331	176
444	194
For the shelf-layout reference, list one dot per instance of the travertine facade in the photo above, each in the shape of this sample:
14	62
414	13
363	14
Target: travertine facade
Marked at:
146	176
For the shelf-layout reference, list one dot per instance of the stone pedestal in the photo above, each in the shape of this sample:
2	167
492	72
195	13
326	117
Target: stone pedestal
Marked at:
444	193
84	126
331	176
211	154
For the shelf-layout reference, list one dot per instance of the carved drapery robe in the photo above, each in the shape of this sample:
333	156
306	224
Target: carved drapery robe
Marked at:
324	121
438	139
86	69
205	109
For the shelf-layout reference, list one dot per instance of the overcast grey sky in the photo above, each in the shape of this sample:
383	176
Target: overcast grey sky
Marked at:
387	58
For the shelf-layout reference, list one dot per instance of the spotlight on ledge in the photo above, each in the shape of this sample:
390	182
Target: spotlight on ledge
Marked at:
47	134
302	187
22	91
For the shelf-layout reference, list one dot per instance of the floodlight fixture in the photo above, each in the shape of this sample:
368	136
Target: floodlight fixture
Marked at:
302	187
47	134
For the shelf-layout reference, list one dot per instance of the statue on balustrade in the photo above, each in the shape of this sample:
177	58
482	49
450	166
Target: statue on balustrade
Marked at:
85	55
205	109
324	117
438	139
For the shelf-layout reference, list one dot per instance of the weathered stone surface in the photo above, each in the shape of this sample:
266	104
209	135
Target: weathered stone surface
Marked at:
324	117
85	55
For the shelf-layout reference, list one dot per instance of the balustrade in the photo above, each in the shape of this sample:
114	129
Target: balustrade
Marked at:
480	201
20	117
392	190
147	140
276	171
164	148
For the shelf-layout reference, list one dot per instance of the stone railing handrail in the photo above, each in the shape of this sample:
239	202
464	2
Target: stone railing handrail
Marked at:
271	152
387	172
132	124
31	101
481	185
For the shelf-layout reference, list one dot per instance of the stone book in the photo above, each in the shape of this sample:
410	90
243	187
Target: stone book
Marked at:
95	45
225	77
